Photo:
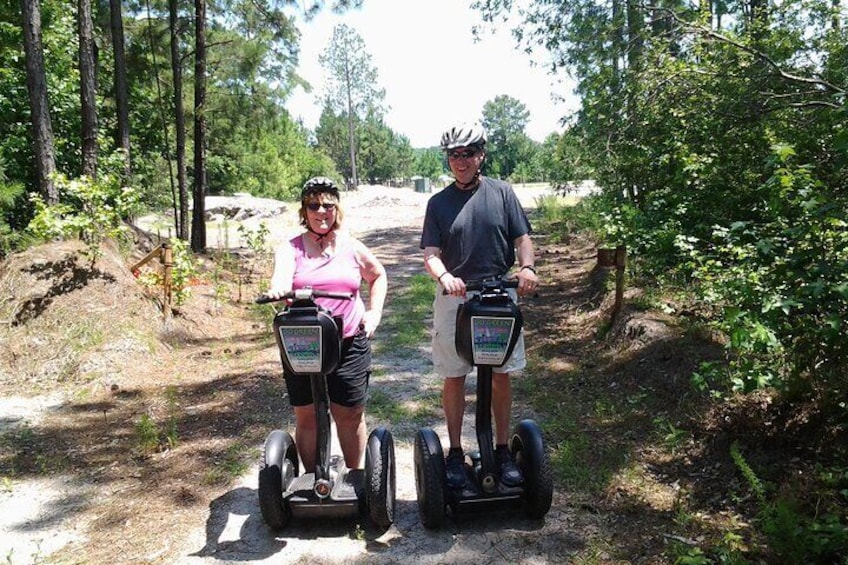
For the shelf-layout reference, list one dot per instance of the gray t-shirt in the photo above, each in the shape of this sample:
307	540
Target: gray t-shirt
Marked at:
475	230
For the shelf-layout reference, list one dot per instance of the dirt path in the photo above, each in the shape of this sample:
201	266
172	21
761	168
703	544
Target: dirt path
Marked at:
161	511
235	531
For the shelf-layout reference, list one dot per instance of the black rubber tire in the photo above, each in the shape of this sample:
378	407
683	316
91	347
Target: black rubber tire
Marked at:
430	478
380	478
279	467
528	449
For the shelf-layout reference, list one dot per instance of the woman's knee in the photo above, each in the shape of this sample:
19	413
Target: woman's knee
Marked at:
348	415
304	417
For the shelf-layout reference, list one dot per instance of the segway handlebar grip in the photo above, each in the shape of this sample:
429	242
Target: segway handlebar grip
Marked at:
303	294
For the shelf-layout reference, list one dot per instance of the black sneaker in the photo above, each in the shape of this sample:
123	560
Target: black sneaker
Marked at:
510	473
455	469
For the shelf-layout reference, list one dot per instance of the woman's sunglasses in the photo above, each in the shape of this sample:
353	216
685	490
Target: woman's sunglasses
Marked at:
315	206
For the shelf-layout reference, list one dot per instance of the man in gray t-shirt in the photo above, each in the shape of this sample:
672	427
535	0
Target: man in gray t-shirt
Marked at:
473	230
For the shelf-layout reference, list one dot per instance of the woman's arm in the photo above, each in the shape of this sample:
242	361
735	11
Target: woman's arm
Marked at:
373	272
284	264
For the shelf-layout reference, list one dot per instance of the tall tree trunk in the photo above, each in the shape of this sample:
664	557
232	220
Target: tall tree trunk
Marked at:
619	49
179	115
121	95
759	20
42	128
351	139
635	42
198	223
88	88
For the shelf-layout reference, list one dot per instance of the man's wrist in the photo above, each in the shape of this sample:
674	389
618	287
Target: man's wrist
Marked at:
528	267
442	275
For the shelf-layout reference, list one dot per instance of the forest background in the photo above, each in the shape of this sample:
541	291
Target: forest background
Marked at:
714	130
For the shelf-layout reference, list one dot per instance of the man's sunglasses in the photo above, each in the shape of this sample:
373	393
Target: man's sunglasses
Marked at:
315	206
464	154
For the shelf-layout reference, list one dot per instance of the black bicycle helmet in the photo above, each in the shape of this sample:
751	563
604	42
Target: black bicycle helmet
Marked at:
319	185
464	135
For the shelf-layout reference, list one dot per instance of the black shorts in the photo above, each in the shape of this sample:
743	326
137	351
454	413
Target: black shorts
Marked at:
348	384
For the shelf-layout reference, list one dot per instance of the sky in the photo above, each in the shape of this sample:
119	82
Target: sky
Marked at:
433	72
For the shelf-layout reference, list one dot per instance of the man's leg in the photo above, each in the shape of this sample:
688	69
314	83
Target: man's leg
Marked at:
453	403
501	412
501	406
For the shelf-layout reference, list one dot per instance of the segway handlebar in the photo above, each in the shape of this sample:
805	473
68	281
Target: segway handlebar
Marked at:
488	284
304	294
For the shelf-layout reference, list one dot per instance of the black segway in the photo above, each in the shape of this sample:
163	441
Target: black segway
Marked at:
309	339
487	329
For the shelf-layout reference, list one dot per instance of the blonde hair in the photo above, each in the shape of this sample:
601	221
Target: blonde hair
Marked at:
304	221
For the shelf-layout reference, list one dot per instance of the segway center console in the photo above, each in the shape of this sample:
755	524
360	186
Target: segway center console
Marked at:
309	339
487	328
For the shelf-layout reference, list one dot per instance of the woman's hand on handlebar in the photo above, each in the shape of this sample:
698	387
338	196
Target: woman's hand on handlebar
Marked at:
276	293
454	286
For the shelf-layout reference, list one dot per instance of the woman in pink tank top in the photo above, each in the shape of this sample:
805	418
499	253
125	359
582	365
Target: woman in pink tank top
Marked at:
324	258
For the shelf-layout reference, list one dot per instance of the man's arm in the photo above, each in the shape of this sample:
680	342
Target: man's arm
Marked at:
527	279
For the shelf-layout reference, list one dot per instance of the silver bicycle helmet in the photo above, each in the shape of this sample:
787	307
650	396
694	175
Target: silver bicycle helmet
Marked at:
319	185
464	135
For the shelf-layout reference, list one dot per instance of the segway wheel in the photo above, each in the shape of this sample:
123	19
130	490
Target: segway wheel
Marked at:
279	468
430	478
380	477
528	448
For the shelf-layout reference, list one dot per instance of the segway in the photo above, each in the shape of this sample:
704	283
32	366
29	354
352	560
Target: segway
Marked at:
309	339
487	329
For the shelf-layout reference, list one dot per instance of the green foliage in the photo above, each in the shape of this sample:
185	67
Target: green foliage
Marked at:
183	272
9	239
561	217
171	432
256	240
747	472
792	536
430	164
382	155
780	284
91	210
505	119
147	433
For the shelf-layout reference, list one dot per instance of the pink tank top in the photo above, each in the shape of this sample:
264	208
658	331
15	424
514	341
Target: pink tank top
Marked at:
338	273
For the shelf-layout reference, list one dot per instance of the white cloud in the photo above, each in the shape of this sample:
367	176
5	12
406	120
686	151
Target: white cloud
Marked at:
433	72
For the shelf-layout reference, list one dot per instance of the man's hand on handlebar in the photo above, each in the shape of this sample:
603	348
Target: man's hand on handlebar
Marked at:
528	282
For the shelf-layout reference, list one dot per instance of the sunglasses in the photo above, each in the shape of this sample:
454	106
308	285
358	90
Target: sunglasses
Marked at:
315	206
465	154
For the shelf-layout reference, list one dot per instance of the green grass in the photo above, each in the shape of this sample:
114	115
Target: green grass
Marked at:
417	411
405	324
233	463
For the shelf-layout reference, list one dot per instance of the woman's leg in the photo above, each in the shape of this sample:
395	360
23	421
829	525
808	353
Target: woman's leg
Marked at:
350	426
305	434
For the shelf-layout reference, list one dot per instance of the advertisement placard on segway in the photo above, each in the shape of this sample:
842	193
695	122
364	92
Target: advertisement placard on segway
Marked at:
302	348
491	338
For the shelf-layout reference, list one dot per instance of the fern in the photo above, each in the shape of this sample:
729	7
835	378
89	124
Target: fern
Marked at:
753	481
